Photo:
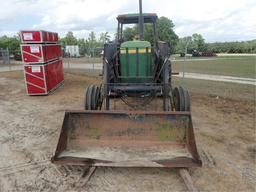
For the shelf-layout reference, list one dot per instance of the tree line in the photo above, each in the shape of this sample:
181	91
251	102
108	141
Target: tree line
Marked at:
86	46
166	33
233	47
196	41
10	43
164	28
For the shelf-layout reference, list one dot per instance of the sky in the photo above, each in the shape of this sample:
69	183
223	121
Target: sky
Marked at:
216	20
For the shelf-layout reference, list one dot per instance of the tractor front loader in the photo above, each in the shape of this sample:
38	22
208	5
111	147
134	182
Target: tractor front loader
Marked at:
100	136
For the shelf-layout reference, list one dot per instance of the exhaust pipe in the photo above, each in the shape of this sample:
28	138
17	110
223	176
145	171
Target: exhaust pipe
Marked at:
141	22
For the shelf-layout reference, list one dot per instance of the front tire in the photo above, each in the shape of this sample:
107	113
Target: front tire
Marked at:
92	97
181	99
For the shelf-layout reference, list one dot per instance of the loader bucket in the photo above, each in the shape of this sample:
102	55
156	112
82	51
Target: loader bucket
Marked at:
127	139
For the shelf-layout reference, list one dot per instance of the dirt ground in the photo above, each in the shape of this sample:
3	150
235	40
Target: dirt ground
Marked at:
30	126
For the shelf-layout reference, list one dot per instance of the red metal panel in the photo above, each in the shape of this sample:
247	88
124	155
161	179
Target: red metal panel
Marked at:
30	36
54	72
41	79
35	53
35	79
56	38
61	72
59	69
32	54
52	52
52	75
47	36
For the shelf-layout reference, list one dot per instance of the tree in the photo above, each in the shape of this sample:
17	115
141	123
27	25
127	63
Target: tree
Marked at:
92	40
92	43
233	47
104	38
198	41
69	39
148	33
82	46
129	33
165	30
92	37
12	43
183	43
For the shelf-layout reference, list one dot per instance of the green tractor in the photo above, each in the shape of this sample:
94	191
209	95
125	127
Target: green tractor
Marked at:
137	69
101	136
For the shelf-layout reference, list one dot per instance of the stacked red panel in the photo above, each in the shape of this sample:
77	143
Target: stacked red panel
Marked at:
41	79
30	36
59	71
35	79
43	69
40	53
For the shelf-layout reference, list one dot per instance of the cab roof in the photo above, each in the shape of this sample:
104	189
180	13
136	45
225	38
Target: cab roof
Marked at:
132	18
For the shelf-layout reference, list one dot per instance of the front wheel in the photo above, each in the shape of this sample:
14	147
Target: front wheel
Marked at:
92	98
181	99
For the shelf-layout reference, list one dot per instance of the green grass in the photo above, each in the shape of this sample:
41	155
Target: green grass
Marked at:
239	66
213	88
221	89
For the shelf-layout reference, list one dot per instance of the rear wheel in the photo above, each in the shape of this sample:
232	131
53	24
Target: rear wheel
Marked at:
181	99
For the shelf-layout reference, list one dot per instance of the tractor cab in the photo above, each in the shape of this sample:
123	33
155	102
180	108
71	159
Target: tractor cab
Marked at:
134	18
135	56
136	67
136	61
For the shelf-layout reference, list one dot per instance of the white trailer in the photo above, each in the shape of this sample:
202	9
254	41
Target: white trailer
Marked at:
72	50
